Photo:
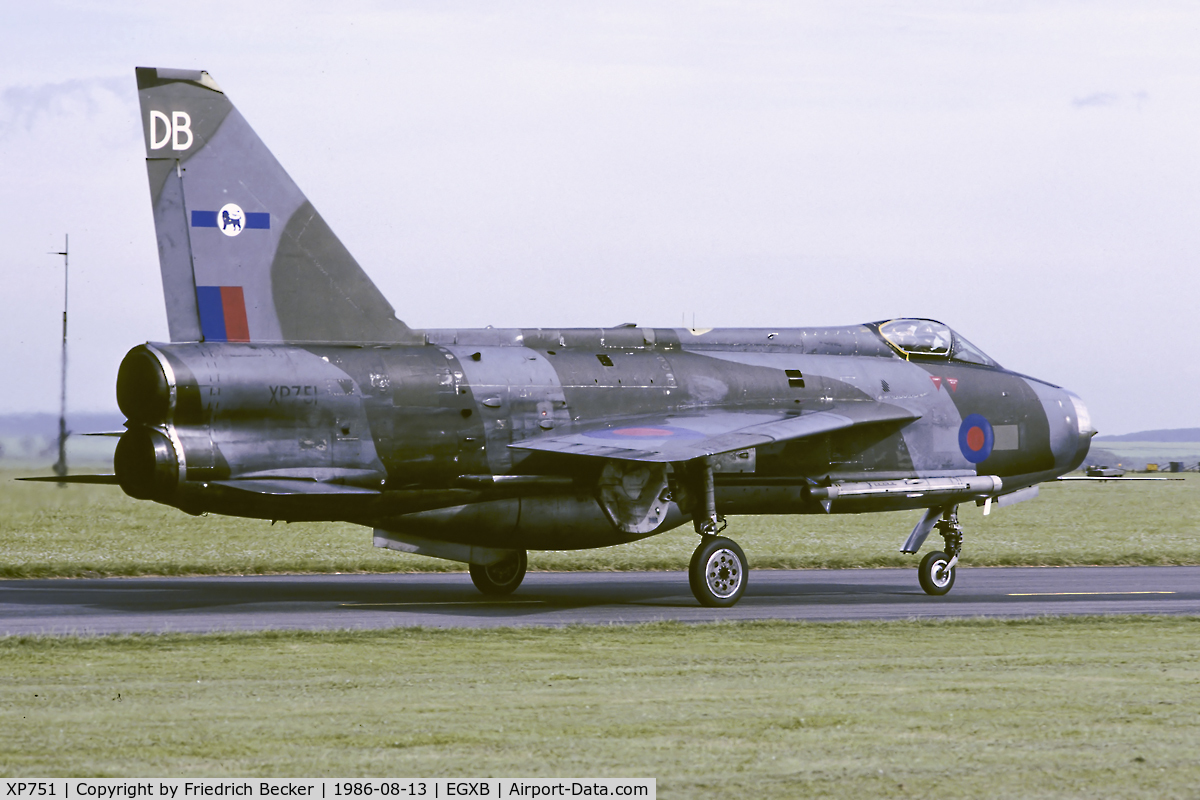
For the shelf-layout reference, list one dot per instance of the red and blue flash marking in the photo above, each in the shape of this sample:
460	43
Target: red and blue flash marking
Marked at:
975	438
222	313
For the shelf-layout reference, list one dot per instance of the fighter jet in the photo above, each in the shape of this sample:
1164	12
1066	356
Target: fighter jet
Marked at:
291	391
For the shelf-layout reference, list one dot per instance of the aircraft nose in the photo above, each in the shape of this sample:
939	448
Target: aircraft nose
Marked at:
1084	430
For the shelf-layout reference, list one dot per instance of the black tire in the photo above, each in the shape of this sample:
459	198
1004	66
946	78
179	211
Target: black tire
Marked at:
500	578
718	572
933	576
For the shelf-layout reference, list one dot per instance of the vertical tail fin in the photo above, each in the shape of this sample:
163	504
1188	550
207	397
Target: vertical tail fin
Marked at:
245	257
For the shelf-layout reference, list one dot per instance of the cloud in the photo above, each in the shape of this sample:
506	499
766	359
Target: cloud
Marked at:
1096	100
22	107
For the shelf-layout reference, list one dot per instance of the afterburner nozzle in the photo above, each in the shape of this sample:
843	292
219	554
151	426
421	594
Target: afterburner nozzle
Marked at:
143	388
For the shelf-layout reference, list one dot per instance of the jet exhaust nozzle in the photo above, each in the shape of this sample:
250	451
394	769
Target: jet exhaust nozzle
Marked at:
146	463
143	389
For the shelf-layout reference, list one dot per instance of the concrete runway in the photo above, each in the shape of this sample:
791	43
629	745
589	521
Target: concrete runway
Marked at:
125	605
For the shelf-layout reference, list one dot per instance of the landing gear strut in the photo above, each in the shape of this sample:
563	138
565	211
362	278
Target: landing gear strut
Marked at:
718	570
937	570
706	519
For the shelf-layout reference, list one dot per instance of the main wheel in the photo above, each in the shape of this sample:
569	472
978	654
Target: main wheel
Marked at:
718	572
500	578
935	578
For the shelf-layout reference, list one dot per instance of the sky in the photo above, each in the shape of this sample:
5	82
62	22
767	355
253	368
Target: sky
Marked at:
1025	172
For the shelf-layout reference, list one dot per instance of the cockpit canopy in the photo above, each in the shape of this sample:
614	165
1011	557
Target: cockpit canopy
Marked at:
927	339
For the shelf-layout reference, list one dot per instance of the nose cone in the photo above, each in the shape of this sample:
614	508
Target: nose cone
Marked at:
1083	433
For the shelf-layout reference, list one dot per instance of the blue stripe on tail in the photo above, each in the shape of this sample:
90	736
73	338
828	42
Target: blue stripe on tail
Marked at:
260	220
212	312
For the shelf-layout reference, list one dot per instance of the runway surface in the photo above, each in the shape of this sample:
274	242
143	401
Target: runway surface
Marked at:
126	605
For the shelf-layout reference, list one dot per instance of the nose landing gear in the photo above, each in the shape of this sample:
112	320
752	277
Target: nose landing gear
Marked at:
937	570
936	573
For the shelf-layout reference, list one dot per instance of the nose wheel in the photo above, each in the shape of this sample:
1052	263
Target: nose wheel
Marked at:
937	569
717	573
936	573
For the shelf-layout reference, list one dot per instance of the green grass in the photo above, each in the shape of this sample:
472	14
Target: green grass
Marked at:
97	530
1065	708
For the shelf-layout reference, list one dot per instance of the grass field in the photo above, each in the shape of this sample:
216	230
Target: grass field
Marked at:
88	530
1162	452
1034	708
1067	708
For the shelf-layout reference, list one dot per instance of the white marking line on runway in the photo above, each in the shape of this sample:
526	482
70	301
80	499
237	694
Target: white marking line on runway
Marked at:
1057	594
445	603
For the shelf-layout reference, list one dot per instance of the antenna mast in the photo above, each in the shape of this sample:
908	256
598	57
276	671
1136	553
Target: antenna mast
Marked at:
60	466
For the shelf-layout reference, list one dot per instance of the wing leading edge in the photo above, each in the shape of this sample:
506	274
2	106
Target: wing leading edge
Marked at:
682	436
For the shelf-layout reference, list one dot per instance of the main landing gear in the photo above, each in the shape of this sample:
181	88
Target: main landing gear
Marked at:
501	578
718	570
717	573
937	570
